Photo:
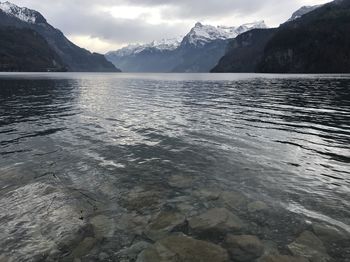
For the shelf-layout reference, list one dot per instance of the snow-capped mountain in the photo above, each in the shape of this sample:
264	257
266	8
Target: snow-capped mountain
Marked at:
198	37
198	51
22	13
161	45
201	34
303	11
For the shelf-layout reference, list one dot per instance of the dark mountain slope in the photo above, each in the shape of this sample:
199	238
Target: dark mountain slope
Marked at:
245	52
74	57
148	60
319	42
200	59
26	50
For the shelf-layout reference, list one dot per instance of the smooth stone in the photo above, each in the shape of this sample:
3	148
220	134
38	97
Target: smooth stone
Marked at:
183	207
309	246
84	247
103	226
131	253
329	233
281	258
233	199
180	181
5	259
182	248
133	223
257	206
140	198
216	219
244	248
207	194
163	224
270	248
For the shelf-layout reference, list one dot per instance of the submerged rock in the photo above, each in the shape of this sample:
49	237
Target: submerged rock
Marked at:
163	224
103	226
84	247
270	248
5	259
141	198
185	249
56	225
131	253
233	199
257	206
207	194
281	258
132	223
244	247
309	246
180	181
215	220
329	233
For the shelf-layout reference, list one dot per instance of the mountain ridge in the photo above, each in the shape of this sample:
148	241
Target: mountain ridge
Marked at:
188	55
75	58
316	42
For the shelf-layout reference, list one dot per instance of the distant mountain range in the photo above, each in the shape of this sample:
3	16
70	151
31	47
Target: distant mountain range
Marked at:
315	40
198	51
29	43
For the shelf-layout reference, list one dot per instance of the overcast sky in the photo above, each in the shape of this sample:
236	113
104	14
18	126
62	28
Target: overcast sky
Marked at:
104	25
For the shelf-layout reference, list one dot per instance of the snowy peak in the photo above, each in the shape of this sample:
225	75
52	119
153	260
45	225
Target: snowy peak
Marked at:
303	11
249	26
202	34
161	45
199	36
166	44
22	13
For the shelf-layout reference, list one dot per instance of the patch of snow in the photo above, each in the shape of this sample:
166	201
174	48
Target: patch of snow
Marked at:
303	11
202	34
162	45
198	36
22	13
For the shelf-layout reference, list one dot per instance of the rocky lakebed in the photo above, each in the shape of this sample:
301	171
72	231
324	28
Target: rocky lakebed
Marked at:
175	221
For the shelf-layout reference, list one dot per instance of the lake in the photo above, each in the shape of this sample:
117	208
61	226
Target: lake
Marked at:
99	167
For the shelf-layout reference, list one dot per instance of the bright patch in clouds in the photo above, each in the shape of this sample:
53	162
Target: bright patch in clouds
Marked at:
93	43
130	12
150	15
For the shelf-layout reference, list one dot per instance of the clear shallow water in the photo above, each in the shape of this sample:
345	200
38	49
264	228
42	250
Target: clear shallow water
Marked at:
120	148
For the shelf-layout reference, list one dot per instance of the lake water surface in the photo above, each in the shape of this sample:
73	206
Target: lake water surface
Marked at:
90	162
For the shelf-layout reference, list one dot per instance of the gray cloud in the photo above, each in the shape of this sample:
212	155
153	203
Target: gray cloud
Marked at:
86	18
